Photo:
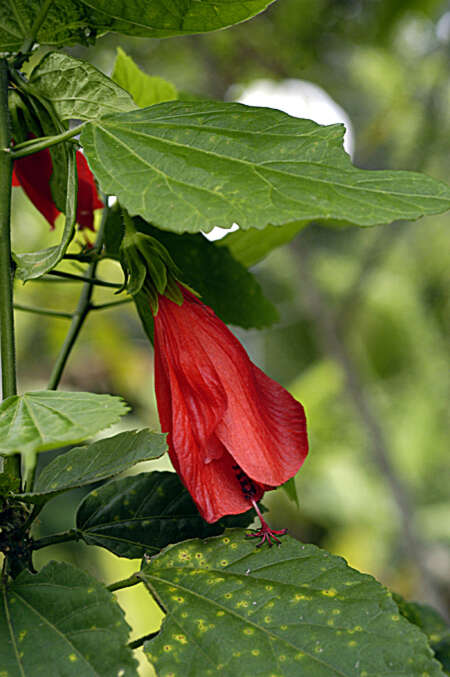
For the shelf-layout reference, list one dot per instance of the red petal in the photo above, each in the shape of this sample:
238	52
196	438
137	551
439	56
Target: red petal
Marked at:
221	410
87	198
33	173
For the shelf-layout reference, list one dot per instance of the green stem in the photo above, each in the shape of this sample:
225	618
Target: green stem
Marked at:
125	583
30	147
54	539
6	263
42	311
80	314
81	278
31	38
111	304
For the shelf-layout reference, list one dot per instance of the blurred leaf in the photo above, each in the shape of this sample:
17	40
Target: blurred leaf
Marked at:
146	90
432	624
61	621
34	264
224	284
98	461
41	420
251	246
142	514
76	89
293	610
71	21
192	166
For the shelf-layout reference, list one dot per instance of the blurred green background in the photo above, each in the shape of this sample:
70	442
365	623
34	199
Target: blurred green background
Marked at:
361	341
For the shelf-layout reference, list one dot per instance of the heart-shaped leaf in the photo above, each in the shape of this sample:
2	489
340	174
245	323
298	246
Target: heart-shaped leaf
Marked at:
192	166
287	611
61	621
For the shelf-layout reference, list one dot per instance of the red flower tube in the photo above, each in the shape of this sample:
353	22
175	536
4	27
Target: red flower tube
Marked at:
33	173
233	432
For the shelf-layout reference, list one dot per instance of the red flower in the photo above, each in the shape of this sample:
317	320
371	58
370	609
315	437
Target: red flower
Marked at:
33	173
233	432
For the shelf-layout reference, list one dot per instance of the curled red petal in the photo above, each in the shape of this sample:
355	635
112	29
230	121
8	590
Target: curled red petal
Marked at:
87	198
233	431
33	173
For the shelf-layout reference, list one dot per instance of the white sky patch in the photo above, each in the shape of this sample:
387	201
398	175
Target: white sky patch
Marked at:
298	98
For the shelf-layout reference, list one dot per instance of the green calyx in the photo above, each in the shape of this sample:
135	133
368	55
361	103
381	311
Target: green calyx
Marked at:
148	267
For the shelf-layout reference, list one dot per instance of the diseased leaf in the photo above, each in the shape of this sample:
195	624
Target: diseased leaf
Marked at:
35	264
192	166
61	621
94	462
76	89
224	284
41	420
251	246
79	21
142	514
146	90
288	611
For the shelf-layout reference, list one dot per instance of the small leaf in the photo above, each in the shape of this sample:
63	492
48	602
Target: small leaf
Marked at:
41	420
94	462
251	246
192	166
290	489
146	90
287	611
61	621
142	514
224	284
79	21
35	264
76	89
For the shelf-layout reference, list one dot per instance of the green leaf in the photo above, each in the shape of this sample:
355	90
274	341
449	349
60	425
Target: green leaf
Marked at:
250	246
142	514
192	166
61	621
288	611
290	489
36	264
94	462
146	90
42	420
71	21
76	89
224	284
432	624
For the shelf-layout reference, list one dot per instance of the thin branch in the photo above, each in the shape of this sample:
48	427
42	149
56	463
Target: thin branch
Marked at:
43	311
136	643
34	146
54	539
124	583
111	304
82	278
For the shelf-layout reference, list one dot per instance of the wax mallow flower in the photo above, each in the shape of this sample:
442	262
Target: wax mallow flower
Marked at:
233	432
33	173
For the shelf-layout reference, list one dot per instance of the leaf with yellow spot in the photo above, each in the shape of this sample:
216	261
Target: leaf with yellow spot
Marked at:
334	629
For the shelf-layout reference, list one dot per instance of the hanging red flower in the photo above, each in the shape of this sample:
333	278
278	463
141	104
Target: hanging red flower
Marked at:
233	432
33	173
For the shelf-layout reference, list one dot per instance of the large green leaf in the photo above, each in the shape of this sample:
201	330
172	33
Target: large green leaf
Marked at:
41	420
76	89
288	611
142	514
71	21
250	246
35	264
94	462
224	283
62	622
146	90
192	166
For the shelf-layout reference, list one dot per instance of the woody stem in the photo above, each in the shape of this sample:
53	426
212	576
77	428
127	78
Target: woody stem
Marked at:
10	466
